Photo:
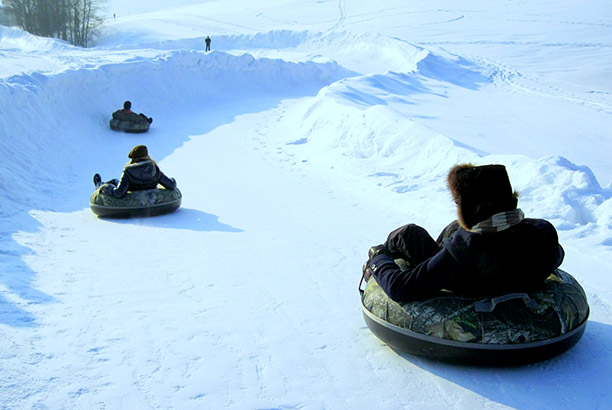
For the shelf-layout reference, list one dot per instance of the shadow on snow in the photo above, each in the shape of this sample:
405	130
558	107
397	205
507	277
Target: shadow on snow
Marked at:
563	381
182	218
163	89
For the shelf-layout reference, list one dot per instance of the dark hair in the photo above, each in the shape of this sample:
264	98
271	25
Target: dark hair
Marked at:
127	105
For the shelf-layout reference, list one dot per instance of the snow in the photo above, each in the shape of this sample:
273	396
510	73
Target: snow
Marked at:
310	131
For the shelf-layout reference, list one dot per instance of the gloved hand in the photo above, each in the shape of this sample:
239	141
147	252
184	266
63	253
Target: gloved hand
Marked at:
106	189
375	250
372	252
365	271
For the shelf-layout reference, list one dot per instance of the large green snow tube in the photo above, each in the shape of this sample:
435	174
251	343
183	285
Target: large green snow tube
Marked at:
149	202
508	330
129	126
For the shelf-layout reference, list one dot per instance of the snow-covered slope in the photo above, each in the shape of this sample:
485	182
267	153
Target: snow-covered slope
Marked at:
305	136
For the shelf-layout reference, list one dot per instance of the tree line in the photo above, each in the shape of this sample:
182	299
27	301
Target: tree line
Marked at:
75	21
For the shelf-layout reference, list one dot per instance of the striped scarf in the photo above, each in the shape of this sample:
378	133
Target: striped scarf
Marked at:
499	222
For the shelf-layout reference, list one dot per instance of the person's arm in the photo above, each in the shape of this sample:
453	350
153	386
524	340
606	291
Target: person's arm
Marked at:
434	274
168	183
555	251
122	188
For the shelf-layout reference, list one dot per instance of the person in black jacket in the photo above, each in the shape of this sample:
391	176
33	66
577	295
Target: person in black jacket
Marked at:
139	174
491	250
126	114
207	41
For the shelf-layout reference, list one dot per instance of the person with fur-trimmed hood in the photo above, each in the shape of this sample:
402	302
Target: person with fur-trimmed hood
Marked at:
492	249
139	174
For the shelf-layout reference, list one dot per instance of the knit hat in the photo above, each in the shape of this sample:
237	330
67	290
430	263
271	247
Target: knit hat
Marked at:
139	151
480	192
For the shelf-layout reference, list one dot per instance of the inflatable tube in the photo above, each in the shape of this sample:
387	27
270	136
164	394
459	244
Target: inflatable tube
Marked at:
129	126
150	202
508	330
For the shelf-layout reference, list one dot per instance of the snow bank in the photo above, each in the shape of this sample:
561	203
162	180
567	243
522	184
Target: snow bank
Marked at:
347	49
49	120
353	119
14	39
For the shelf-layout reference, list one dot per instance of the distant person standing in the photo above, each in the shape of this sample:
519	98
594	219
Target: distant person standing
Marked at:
207	40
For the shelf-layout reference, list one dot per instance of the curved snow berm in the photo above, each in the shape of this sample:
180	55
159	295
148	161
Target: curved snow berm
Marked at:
150	202
508	330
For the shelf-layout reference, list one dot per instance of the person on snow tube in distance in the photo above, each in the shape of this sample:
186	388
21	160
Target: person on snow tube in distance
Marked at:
139	174
126	114
491	250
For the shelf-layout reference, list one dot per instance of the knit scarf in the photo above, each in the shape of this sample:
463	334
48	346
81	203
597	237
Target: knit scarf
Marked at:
499	222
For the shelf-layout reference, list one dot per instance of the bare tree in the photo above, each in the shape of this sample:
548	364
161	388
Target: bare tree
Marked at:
76	21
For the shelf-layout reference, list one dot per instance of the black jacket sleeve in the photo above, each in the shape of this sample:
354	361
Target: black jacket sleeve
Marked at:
168	183
422	281
122	188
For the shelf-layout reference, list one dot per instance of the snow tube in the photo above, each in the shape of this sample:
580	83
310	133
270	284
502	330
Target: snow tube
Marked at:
129	126
149	202
508	330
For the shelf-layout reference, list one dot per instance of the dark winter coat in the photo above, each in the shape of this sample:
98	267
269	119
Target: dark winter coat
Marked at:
517	259
141	175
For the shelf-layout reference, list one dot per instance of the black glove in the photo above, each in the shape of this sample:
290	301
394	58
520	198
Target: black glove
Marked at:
365	271
372	252
375	250
106	189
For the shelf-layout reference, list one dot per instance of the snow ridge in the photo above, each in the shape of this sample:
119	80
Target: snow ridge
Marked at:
56	119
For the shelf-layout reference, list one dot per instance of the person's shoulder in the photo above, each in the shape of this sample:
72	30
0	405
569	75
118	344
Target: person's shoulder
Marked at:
537	229
139	164
461	234
461	239
537	223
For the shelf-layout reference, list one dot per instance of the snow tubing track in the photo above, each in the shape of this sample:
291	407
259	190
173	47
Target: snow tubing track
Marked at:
149	202
509	330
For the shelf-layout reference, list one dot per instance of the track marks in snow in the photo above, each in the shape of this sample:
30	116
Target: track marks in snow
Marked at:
342	18
517	82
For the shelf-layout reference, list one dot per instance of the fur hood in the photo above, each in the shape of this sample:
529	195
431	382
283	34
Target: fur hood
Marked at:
480	192
141	171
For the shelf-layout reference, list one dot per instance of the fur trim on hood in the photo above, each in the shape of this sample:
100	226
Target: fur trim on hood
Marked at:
480	192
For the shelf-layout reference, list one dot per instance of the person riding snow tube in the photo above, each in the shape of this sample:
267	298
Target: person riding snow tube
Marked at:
511	329
128	121
137	193
492	250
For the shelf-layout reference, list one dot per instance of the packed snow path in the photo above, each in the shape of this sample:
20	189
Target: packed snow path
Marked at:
244	298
